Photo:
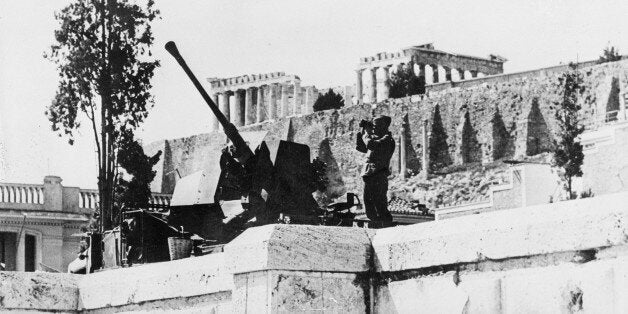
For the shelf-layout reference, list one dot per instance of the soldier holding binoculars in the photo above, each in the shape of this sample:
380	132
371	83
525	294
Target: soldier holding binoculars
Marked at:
377	142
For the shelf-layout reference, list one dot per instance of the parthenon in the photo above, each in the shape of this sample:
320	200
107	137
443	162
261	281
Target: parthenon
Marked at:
433	65
255	98
250	99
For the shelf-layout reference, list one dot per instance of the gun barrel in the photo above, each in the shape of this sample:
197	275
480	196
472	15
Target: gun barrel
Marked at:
243	152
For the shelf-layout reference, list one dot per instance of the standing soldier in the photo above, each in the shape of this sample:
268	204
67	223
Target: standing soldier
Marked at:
377	142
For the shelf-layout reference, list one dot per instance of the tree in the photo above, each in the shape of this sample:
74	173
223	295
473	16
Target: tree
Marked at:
103	56
329	100
134	192
610	54
568	154
405	83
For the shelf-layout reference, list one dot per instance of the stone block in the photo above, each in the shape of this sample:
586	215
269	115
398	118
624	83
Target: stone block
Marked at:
20	291
298	292
257	291
620	286
300	247
433	294
343	292
566	288
151	282
542	229
293	292
484	292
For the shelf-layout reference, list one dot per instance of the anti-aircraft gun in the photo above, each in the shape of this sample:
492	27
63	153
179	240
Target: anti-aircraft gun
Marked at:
268	182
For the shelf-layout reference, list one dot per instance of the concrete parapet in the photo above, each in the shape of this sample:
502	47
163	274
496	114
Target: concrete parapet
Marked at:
296	268
562	257
45	292
188	278
543	229
300	248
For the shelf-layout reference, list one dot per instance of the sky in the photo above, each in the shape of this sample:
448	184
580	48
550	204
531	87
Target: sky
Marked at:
320	41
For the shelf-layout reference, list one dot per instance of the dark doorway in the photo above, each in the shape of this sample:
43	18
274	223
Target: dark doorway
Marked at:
29	252
8	250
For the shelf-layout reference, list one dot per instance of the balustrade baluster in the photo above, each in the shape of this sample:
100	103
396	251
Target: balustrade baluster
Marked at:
29	195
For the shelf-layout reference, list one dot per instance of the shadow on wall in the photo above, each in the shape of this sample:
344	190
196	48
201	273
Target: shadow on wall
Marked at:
612	106
468	146
336	186
439	149
538	136
503	144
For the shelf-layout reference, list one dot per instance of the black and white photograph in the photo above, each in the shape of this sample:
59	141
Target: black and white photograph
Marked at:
321	156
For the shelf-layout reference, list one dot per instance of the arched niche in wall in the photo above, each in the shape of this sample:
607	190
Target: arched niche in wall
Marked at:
438	149
612	105
538	139
502	145
468	147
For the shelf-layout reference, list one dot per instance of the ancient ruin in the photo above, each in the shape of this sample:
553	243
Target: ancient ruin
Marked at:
255	98
485	120
435	66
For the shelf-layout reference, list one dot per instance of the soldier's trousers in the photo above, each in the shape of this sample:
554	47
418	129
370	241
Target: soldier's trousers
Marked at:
375	198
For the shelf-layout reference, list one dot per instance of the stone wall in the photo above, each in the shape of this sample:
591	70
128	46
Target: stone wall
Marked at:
509	116
566	257
605	169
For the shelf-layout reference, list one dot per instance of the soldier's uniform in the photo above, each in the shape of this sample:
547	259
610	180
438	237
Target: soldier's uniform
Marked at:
379	149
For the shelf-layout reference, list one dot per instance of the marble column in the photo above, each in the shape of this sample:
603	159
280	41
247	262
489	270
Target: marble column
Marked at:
425	160
249	107
448	77
403	159
285	101
224	106
422	71
213	120
435	78
373	98
272	101
309	100
358	86
384	88
238	118
260	114
296	98
232	108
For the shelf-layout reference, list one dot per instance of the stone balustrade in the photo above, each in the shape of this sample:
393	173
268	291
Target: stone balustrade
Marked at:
88	199
21	193
51	196
434	66
250	99
160	200
38	223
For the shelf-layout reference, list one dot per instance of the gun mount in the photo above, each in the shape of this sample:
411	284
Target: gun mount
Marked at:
266	182
242	152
